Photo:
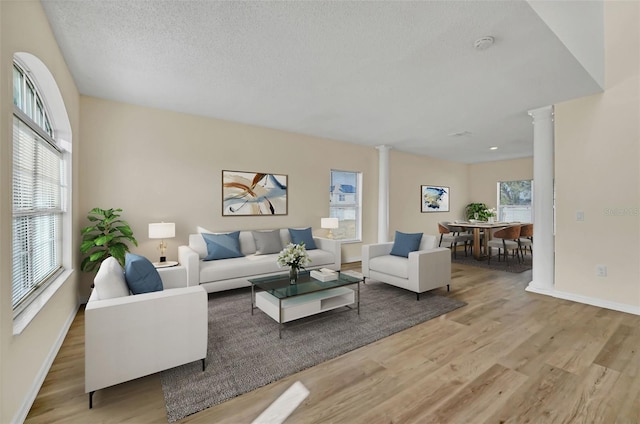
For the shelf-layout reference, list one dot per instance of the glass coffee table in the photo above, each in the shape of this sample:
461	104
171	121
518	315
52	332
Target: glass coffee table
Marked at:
285	302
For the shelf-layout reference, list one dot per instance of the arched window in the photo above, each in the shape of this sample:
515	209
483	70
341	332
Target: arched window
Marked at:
39	184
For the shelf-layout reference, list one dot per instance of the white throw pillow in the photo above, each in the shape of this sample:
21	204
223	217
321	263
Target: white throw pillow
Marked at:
109	281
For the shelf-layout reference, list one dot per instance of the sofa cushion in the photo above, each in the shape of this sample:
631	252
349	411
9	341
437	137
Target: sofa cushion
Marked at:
267	242
247	243
244	267
222	246
428	242
320	257
303	235
255	265
397	266
405	243
109	282
141	275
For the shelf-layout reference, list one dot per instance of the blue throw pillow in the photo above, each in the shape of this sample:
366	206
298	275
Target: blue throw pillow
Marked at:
141	275
303	236
405	243
222	246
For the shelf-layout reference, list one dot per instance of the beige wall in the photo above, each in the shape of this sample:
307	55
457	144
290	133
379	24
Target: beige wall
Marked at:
484	178
597	161
406	174
165	166
24	358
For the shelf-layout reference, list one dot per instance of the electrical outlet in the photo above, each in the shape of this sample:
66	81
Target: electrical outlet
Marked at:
601	270
579	216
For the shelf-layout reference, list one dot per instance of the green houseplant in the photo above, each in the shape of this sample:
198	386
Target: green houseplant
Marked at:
477	208
106	236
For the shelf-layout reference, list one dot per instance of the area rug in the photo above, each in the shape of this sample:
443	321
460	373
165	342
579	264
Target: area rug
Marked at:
245	353
511	266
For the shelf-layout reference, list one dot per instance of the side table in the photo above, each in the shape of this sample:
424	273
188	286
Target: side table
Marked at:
165	264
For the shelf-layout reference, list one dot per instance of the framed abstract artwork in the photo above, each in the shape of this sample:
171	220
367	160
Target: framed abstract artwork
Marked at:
253	193
434	198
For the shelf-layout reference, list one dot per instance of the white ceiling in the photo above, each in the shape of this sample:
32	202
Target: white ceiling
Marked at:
404	74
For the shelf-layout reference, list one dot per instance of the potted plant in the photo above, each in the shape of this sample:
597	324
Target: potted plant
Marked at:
107	236
294	256
477	211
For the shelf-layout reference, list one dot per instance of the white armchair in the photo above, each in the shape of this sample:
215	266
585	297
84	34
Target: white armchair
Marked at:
131	336
426	269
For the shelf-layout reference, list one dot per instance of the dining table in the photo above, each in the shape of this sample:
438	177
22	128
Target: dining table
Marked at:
477	227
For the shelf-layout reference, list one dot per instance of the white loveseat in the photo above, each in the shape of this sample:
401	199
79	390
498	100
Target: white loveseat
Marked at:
226	274
130	336
425	269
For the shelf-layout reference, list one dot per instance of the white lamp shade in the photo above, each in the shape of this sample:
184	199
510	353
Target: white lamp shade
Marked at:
162	230
329	223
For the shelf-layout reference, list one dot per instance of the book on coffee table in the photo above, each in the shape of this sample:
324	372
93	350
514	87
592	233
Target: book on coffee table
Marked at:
324	274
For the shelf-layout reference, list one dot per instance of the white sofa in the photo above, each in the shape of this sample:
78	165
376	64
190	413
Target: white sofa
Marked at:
425	269
226	274
130	336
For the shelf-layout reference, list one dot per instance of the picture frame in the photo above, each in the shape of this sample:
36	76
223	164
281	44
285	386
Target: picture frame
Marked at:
434	198
247	193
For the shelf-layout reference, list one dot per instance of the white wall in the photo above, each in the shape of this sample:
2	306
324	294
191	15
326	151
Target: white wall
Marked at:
407	173
25	358
484	178
165	166
597	159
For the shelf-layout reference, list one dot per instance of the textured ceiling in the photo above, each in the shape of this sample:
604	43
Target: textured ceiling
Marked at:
404	74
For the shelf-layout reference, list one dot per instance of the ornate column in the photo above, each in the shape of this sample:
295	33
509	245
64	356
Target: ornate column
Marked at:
383	193
543	193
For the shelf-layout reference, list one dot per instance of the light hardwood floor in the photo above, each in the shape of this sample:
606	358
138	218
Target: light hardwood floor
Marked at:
509	356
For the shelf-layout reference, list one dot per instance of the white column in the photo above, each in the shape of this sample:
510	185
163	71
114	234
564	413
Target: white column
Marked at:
383	193
543	188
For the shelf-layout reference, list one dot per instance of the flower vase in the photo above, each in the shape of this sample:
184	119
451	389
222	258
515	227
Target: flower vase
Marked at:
490	220
293	275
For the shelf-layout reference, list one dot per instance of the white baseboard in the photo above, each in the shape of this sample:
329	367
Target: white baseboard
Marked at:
352	259
23	411
615	306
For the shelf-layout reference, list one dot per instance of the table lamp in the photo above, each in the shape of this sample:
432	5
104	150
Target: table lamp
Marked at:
330	224
162	230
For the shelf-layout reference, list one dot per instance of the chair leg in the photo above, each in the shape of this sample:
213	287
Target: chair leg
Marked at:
204	364
91	399
417	296
448	287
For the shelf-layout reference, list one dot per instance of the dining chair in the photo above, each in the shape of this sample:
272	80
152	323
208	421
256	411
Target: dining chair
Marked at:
506	240
526	239
452	235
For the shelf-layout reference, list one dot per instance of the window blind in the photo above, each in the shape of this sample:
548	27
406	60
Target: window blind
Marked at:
37	210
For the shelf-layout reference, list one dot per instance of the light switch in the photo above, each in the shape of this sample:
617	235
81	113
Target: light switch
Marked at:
579	216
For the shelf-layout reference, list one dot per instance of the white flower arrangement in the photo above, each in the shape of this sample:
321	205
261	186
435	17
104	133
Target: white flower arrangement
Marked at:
294	256
491	212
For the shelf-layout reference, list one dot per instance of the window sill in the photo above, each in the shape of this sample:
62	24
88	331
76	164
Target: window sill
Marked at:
24	318
352	241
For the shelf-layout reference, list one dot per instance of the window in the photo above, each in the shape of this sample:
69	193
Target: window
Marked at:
345	198
514	201
39	186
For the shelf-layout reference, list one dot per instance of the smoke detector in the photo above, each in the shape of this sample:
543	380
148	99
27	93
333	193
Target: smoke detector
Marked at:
483	43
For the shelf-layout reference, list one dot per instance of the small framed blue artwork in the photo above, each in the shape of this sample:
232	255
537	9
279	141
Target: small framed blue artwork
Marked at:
434	198
253	193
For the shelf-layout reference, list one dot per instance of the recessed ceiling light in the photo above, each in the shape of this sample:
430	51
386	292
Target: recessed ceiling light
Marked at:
493	148
483	43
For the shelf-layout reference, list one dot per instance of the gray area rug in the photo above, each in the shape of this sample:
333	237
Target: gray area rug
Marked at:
511	266
245	352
